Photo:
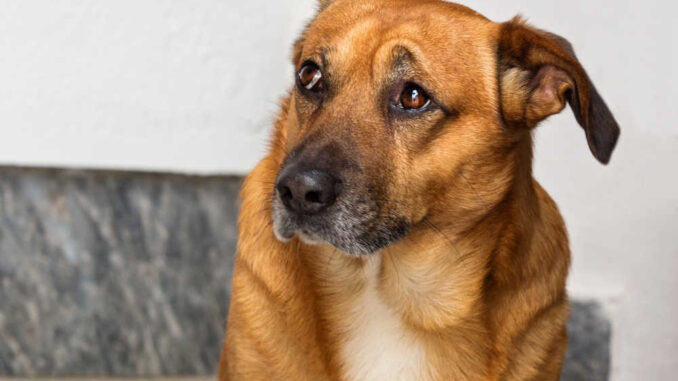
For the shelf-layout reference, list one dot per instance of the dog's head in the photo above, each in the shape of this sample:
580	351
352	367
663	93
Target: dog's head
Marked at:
403	109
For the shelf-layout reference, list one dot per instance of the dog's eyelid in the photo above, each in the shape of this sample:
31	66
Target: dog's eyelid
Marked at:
399	111
434	100
316	56
418	82
306	62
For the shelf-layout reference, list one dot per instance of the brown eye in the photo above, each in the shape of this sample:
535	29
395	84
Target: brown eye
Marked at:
310	77
413	97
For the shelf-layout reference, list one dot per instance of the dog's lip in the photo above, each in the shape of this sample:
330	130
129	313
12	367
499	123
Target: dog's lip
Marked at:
283	236
287	235
282	231
309	237
286	231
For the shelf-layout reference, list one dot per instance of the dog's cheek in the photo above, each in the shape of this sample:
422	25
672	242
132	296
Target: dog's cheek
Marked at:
283	226
294	124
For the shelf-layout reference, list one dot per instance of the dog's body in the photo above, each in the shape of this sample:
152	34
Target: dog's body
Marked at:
421	248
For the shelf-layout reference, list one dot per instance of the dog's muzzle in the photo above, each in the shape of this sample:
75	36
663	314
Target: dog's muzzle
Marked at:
322	198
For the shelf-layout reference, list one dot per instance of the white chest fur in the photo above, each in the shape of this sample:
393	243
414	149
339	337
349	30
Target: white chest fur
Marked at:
377	346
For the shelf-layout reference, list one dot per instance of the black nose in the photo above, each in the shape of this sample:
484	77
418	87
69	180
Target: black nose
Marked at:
307	191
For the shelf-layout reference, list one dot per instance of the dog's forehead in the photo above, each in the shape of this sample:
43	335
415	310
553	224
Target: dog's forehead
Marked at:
366	39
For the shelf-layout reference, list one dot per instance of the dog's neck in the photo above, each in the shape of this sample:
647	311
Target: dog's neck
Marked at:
440	280
441	263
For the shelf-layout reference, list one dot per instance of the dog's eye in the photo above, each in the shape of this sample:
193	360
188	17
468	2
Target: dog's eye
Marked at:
413	97
310	77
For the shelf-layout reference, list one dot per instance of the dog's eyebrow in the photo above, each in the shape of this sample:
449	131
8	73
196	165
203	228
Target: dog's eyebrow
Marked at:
323	58
402	58
319	55
403	62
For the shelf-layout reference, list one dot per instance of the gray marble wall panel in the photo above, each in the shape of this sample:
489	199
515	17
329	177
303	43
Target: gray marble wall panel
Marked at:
114	273
588	351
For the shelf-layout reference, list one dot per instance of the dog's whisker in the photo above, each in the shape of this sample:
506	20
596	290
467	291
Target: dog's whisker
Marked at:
439	231
475	192
389	254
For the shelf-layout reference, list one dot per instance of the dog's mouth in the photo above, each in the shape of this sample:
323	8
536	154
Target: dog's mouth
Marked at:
356	228
309	237
324	197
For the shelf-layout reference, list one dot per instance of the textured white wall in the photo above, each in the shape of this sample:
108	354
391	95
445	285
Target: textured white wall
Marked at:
192	87
153	84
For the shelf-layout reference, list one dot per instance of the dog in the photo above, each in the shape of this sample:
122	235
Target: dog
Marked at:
394	230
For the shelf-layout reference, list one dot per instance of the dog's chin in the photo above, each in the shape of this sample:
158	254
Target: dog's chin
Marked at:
285	230
310	238
349	232
355	244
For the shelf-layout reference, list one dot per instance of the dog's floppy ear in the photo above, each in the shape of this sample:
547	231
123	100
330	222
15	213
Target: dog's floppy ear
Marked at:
539	72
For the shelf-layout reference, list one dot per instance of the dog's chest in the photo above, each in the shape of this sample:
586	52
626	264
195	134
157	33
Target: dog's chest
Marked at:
376	345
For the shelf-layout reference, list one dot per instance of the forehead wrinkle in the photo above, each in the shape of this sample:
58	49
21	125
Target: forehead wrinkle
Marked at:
318	54
357	44
325	63
398	57
439	47
401	57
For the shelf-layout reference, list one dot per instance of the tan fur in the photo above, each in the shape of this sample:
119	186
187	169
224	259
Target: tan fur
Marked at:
477	287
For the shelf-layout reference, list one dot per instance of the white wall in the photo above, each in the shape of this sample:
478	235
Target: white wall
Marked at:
142	84
192	86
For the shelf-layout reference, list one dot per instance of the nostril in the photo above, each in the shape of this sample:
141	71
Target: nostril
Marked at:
313	196
285	193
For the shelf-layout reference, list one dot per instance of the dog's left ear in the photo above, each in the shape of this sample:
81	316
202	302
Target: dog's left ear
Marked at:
539	72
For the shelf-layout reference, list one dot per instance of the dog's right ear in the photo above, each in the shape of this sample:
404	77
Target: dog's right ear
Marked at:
539	74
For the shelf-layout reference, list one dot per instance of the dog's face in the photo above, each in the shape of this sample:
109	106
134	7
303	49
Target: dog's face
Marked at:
401	111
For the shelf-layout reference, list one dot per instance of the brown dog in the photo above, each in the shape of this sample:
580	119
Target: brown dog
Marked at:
394	231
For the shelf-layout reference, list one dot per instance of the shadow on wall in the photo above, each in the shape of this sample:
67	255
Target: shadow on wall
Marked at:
128	274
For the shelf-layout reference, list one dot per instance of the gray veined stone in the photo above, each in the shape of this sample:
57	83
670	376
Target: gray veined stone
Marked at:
115	273
588	351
